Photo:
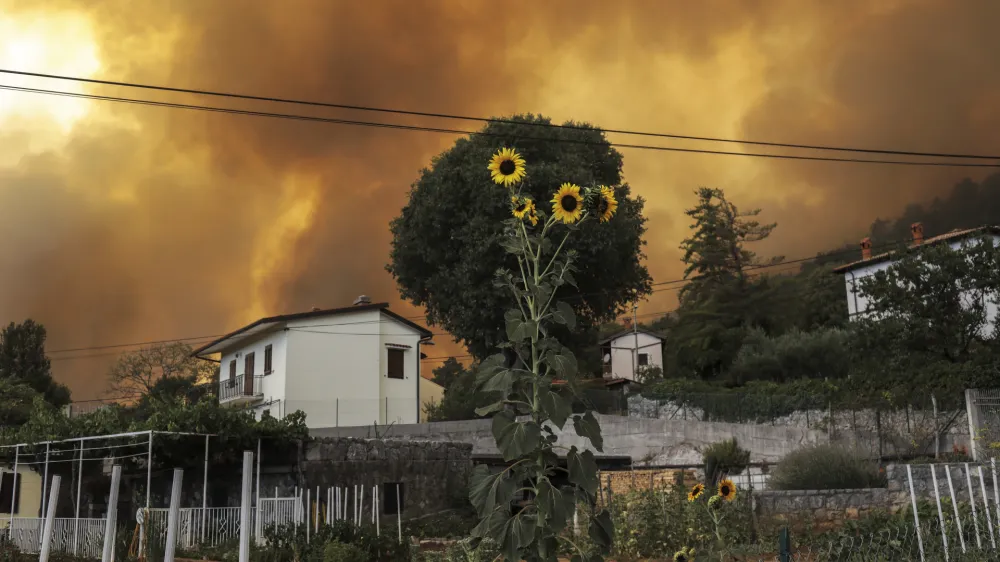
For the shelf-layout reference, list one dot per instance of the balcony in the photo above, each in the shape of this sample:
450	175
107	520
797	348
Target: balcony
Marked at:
241	390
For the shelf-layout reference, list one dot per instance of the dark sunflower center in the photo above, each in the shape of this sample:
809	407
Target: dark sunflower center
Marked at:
507	167
568	203
725	490
521	207
602	205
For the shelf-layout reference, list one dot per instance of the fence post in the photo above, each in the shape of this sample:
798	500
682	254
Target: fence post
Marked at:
937	500
973	414
50	515
173	516
245	506
916	515
937	431
878	431
784	546
112	520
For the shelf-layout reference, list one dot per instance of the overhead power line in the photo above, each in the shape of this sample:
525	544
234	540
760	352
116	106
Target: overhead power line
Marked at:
400	126
331	105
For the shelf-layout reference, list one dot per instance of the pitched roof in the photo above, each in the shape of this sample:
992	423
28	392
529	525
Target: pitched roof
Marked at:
609	339
956	234
264	324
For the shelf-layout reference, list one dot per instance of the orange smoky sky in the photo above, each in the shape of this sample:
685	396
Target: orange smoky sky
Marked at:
123	223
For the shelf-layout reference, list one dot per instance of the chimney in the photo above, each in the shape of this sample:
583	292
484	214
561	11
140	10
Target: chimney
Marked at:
917	229
362	300
866	249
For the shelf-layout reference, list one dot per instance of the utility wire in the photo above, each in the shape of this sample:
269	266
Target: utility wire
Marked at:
659	284
312	103
399	126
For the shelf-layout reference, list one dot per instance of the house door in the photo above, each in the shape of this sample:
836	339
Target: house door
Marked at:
248	376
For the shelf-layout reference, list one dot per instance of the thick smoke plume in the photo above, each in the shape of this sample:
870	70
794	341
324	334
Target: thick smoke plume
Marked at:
139	223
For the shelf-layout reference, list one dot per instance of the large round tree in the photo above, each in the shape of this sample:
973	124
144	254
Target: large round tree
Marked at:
446	242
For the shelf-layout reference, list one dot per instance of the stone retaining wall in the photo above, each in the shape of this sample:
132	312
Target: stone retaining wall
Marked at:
923	482
821	507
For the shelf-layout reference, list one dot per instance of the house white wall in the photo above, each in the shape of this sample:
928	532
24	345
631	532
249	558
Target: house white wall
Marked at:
273	384
858	303
624	355
430	393
335	369
30	504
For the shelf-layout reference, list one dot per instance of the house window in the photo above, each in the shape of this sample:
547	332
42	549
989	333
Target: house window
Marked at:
643	359
232	369
267	360
10	486
393	503
396	363
248	365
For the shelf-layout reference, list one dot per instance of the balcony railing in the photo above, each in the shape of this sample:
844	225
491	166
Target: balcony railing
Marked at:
241	388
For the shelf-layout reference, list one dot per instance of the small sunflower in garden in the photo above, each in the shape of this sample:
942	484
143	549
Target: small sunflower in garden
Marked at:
606	203
696	491
522	207
567	203
727	490
685	554
506	167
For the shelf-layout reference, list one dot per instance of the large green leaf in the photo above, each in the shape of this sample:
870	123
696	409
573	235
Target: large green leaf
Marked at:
564	314
582	470
518	328
602	530
512	244
588	426
515	439
564	362
489	409
518	532
502	380
488	490
554	506
492	526
555	407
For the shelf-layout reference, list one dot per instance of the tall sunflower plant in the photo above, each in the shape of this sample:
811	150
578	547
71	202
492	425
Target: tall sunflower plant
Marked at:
526	507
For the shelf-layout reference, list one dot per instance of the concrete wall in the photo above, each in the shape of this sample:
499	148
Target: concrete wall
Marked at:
653	442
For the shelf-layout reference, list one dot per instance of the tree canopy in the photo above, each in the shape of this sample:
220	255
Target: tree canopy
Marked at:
446	241
159	371
23	360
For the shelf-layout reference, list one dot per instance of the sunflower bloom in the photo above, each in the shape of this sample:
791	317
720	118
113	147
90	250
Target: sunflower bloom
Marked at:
606	203
685	554
506	167
532	215
727	490
522	207
567	204
696	491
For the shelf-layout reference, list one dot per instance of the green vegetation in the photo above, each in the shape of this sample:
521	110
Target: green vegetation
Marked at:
725	458
446	241
825	467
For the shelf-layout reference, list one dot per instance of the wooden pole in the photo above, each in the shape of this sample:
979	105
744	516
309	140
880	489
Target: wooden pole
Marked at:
173	516
50	515
245	506
112	519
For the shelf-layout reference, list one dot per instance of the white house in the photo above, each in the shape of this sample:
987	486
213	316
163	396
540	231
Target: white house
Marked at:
352	366
628	352
857	302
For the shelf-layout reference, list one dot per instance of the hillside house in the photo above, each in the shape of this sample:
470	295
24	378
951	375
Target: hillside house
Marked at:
23	493
857	302
352	366
627	353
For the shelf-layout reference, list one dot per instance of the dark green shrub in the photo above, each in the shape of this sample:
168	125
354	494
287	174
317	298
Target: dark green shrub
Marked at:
825	467
340	552
724	457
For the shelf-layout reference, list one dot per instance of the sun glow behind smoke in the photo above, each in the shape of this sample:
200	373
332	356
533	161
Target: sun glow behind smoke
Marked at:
61	43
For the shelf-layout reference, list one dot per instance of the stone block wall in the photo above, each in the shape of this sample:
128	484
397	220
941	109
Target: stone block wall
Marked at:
434	475
824	508
624	481
923	482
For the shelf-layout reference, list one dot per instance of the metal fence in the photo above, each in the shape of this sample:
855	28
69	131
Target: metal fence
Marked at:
82	537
